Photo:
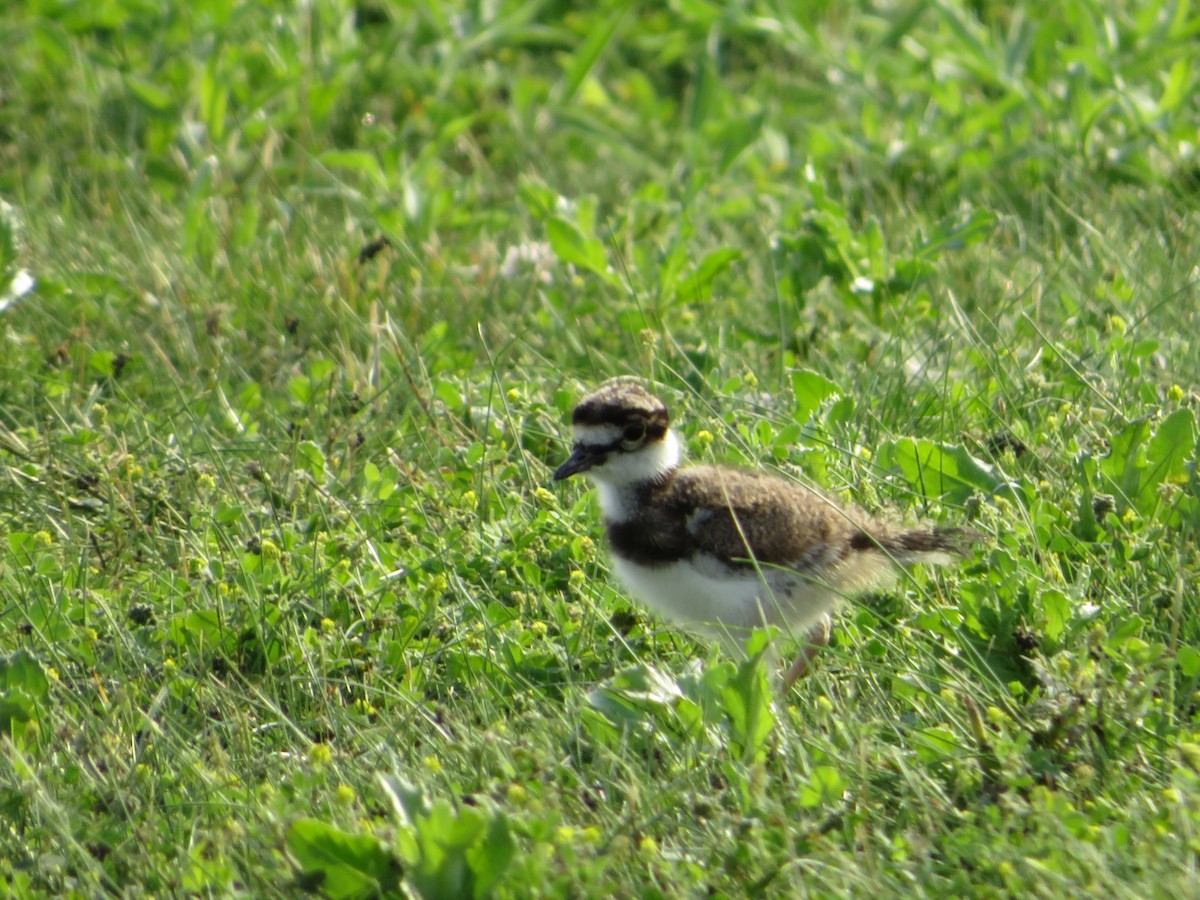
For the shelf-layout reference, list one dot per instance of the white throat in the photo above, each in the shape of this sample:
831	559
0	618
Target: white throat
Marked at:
622	474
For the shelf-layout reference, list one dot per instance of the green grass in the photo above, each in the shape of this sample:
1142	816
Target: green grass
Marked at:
284	598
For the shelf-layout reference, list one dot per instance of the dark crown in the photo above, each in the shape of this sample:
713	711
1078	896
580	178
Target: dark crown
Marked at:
621	402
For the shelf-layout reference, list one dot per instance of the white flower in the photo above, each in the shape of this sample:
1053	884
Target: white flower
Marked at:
537	255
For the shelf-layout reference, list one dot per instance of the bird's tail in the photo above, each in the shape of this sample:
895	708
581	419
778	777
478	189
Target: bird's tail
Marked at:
931	546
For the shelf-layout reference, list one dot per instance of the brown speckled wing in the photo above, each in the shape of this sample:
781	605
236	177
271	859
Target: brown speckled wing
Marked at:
733	515
776	521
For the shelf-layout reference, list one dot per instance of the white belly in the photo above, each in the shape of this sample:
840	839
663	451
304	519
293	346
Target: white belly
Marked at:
722	604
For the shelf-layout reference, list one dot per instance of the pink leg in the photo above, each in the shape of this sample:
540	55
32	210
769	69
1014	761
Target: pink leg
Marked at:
817	637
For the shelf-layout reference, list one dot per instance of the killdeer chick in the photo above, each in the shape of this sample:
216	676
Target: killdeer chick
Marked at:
723	551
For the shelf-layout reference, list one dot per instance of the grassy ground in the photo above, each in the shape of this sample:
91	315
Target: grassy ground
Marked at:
296	300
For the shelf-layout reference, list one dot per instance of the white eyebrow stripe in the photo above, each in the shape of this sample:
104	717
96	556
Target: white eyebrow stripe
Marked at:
597	435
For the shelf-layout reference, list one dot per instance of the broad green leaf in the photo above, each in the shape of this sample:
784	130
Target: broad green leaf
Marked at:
585	58
349	865
1180	85
646	683
1087	526
1126	632
355	161
10	229
1122	466
1057	610
150	95
573	247
940	470
616	707
455	852
632	696
825	787
735	137
320	369
448	829
310	458
301	389
214	100
102	363
23	545
698	285
957	233
936	744
198	628
17	710
1189	660
705	87
408	800
811	390
1173	444
747	702
23	671
23	686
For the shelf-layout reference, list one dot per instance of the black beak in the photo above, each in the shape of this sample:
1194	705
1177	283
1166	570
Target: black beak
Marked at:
582	458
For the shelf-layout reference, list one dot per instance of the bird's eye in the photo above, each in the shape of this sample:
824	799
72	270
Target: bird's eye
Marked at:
635	432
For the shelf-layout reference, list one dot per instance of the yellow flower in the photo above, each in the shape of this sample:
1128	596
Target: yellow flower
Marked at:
365	708
319	756
433	764
587	547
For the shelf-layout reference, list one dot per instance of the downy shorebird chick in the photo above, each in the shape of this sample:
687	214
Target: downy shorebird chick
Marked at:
721	550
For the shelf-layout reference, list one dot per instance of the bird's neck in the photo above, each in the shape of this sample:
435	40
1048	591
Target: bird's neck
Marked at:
623	502
625	485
